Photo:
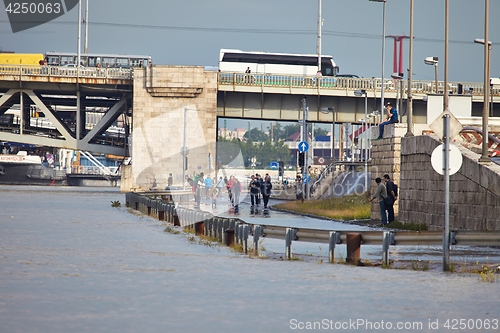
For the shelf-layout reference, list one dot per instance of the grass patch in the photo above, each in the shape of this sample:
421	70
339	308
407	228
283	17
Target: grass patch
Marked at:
419	265
171	230
349	207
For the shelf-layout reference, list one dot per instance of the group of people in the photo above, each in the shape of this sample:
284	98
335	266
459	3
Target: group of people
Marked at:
212	188
386	196
260	187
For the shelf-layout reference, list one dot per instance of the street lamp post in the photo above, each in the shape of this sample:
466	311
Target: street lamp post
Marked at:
434	62
486	91
361	93
383	53
332	111
184	152
409	118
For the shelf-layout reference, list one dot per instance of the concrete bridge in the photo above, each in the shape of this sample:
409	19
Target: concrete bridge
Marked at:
175	111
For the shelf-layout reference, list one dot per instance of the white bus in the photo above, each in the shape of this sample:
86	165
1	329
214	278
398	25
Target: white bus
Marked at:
237	61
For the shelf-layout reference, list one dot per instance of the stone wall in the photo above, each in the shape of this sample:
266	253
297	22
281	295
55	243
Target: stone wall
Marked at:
474	189
161	96
386	159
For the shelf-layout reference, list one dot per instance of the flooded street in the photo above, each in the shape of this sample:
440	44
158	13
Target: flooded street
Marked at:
70	262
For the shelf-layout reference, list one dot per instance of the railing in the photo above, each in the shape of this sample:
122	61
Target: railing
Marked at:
154	204
95	170
67	72
348	84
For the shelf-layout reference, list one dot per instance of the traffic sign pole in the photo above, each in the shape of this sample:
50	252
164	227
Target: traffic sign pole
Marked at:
305	138
446	157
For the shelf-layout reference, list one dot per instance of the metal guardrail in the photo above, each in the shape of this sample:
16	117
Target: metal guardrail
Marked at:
66	72
151	203
346	84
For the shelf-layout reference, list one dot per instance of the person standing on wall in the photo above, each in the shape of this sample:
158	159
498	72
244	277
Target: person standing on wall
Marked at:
392	118
392	196
380	194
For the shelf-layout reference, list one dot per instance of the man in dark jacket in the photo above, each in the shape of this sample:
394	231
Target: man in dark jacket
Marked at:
390	193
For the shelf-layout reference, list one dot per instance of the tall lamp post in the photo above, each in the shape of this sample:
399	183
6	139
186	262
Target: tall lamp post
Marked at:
332	111
433	61
360	93
184	152
383	53
486	92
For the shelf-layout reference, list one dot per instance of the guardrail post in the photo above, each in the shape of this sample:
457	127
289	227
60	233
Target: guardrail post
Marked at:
290	235
246	232
257	231
453	238
385	247
334	239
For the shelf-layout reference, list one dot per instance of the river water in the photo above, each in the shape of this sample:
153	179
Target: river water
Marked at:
70	262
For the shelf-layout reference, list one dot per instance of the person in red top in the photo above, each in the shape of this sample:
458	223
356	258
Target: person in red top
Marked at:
230	183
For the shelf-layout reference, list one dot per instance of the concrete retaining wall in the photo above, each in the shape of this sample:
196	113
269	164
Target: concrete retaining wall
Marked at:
474	189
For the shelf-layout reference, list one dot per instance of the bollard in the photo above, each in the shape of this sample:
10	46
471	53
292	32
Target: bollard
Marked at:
353	241
199	228
229	236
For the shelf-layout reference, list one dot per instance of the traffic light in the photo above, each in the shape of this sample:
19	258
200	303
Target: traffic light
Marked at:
281	168
185	163
301	159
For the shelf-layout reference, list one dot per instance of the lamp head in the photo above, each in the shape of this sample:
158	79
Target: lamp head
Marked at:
327	110
431	61
481	41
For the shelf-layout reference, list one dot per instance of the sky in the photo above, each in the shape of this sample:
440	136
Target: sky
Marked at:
192	32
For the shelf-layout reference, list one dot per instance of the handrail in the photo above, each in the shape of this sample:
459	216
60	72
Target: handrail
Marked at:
345	84
70	72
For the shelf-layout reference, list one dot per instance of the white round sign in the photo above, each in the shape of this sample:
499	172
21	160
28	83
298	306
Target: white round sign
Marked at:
437	159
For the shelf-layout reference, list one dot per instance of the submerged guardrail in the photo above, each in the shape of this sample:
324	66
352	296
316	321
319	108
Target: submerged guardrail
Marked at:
228	230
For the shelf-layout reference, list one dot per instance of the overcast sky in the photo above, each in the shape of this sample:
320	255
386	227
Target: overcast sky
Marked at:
191	32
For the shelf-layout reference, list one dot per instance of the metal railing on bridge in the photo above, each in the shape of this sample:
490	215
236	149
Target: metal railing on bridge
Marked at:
66	72
347	84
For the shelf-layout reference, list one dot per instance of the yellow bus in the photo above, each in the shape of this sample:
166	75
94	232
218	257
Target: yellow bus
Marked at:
20	58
